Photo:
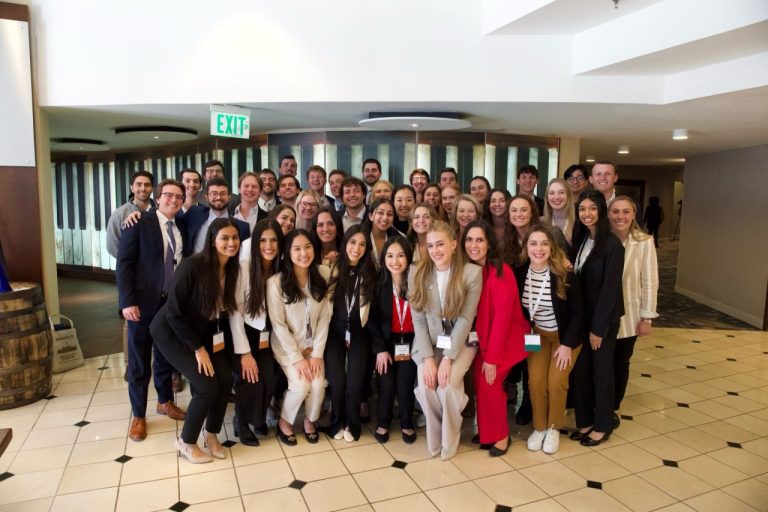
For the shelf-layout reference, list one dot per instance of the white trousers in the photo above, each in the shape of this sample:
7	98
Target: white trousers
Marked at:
300	391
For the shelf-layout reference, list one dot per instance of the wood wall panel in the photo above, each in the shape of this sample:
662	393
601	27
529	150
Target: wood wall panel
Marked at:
20	229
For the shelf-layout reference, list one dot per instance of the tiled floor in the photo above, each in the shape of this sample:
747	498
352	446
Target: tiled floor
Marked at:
694	436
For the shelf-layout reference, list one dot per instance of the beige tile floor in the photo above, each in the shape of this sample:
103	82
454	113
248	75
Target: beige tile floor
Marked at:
694	437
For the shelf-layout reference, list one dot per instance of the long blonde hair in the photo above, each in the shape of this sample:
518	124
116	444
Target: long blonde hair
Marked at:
455	292
570	210
464	197
635	230
558	263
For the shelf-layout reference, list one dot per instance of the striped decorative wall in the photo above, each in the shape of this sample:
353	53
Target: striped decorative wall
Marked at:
86	192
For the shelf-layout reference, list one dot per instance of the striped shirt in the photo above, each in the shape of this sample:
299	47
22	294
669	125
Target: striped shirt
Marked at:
544	316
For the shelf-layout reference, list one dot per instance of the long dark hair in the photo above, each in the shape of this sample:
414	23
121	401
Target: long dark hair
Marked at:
212	297
336	221
288	281
366	270
603	226
254	302
493	257
384	274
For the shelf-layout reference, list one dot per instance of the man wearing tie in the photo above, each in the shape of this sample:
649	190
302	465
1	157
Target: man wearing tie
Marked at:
147	256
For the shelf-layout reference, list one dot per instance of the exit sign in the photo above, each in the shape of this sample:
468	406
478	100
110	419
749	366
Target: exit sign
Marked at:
229	121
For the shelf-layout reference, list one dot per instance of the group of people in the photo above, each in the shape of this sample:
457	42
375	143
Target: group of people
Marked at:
417	293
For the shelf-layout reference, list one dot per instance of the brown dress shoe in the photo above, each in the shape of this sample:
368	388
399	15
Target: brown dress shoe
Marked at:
177	382
138	430
169	409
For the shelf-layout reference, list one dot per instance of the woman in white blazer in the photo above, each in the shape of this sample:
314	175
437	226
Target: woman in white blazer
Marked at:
297	301
640	284
443	293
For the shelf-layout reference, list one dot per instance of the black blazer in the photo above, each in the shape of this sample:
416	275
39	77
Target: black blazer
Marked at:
380	320
181	317
140	263
569	313
600	279
195	218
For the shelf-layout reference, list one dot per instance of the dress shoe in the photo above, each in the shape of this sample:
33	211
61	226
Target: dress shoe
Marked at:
169	409
286	439
409	438
551	441
498	452
192	452
138	431
616	421
381	437
588	441
211	441
243	431
577	435
311	437
177	382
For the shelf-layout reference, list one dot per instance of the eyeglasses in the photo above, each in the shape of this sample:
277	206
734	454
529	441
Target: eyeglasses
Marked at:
419	178
170	195
305	204
218	194
576	178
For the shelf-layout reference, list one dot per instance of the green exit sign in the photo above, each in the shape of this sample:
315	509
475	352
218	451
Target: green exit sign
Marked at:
229	121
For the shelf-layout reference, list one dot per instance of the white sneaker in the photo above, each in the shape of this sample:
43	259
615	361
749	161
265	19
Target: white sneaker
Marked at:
536	439
348	437
551	441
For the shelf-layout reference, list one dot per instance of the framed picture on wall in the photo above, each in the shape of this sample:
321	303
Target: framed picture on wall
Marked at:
634	189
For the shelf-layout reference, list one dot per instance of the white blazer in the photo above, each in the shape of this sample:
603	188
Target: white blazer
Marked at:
640	282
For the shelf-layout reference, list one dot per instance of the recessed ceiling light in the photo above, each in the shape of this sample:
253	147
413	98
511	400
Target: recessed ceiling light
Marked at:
415	125
680	134
156	137
623	150
590	159
424	121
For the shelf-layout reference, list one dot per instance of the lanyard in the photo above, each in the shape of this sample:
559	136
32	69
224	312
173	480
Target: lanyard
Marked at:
350	303
529	281
447	325
306	313
400	315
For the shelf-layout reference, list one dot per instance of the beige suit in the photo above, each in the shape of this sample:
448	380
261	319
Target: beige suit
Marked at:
442	406
640	284
288	333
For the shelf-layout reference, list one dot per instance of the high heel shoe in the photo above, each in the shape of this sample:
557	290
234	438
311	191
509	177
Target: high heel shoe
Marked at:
192	452
211	442
498	452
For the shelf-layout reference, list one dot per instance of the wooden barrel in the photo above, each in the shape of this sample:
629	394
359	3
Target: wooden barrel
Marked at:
26	346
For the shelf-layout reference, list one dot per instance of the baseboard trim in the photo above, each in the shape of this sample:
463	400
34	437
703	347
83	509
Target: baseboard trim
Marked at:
724	308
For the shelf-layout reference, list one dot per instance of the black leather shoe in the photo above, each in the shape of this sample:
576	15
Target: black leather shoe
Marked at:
287	439
243	431
497	452
616	421
381	437
578	436
409	438
588	441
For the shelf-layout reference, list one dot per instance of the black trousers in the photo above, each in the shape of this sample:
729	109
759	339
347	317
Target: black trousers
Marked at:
399	379
621	356
594	379
209	394
345	370
252	399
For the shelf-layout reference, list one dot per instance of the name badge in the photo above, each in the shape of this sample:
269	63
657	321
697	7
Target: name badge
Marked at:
444	341
473	340
347	338
263	340
532	342
218	342
402	352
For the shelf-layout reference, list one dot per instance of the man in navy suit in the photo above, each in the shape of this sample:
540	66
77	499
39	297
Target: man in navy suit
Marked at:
198	218
146	259
316	178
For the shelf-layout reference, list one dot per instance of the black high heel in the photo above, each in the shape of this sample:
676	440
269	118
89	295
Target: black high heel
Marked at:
498	452
287	439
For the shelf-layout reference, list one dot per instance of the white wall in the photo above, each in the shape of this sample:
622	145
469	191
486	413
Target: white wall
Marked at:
660	182
723	260
17	135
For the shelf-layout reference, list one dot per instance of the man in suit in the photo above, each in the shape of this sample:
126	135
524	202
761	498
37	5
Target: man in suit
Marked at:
527	179
147	256
334	182
353	194
268	198
603	178
215	169
248	210
316	179
198	218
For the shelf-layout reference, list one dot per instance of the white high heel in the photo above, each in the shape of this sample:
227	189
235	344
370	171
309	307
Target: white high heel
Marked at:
192	452
211	441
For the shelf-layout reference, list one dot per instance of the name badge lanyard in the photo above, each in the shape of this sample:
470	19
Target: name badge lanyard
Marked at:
350	303
307	316
218	336
400	314
535	307
447	327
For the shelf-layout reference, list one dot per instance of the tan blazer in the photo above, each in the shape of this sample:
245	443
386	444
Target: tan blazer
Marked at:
289	323
640	284
428	324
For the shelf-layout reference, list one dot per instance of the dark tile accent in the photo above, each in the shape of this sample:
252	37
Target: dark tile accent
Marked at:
179	506
297	484
5	476
670	463
659	346
734	445
82	423
690	367
730	336
50	397
123	459
503	508
681	404
732	393
696	341
646	375
730	359
594	485
103	368
228	443
399	464
626	417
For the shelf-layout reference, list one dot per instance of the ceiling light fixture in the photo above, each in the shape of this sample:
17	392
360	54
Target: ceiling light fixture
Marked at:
411	121
680	134
590	159
623	150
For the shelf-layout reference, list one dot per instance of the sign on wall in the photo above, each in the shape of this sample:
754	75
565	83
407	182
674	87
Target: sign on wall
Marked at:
228	121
